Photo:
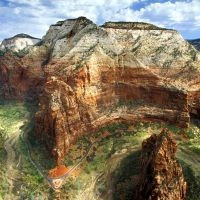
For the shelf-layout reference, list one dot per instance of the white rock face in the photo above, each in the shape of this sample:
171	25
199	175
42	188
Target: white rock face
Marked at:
18	42
80	42
83	36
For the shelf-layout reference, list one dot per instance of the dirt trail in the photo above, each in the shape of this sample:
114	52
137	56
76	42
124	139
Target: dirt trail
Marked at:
10	172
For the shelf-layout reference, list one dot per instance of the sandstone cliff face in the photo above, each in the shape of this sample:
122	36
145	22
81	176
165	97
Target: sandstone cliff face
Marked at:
161	175
95	75
18	42
21	74
127	73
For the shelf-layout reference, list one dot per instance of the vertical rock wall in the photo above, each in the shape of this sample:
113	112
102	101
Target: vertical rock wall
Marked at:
161	174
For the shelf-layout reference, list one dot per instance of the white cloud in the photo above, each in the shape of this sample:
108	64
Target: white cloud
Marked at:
17	10
173	14
35	16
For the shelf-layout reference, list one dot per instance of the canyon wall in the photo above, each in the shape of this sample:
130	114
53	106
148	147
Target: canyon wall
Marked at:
87	76
22	73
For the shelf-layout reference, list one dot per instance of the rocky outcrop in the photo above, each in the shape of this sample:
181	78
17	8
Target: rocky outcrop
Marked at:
161	174
18	42
67	111
22	77
61	121
21	63
21	74
89	76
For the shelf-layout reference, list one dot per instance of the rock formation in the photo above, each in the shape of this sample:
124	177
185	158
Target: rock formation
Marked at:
18	42
22	74
88	76
161	175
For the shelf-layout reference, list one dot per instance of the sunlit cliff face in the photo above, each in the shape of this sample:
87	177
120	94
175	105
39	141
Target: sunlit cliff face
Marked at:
18	42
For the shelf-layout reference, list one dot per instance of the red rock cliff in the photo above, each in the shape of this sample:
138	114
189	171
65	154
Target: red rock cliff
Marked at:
161	175
113	74
22	75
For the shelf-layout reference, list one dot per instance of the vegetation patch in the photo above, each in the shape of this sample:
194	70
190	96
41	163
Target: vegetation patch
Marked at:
193	182
25	178
125	177
132	25
40	153
117	153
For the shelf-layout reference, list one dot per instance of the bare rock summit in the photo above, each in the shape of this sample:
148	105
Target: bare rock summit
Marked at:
18	42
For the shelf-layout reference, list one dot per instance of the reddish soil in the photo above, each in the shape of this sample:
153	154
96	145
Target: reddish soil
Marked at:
58	171
105	133
184	137
74	173
132	128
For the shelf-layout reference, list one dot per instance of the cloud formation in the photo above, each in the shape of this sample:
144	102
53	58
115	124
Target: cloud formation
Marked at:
34	16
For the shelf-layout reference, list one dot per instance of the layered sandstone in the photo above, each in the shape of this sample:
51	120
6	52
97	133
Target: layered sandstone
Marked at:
161	174
22	74
90	76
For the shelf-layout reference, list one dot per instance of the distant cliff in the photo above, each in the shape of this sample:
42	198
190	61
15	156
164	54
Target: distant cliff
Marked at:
195	43
21	75
18	42
87	76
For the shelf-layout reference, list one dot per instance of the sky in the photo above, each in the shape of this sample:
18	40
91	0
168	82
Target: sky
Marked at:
34	17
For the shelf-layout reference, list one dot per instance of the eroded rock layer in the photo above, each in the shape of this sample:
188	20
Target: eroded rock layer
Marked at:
161	174
22	74
88	76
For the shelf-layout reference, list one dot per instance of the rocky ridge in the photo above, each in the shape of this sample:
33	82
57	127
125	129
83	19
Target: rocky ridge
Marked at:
89	76
161	174
18	42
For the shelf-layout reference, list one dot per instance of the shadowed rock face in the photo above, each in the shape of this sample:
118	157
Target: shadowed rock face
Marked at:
161	175
22	77
90	76
195	43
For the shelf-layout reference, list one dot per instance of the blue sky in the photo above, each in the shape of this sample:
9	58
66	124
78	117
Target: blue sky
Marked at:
34	17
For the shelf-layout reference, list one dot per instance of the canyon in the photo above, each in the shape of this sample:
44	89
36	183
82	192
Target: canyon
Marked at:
87	76
84	77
